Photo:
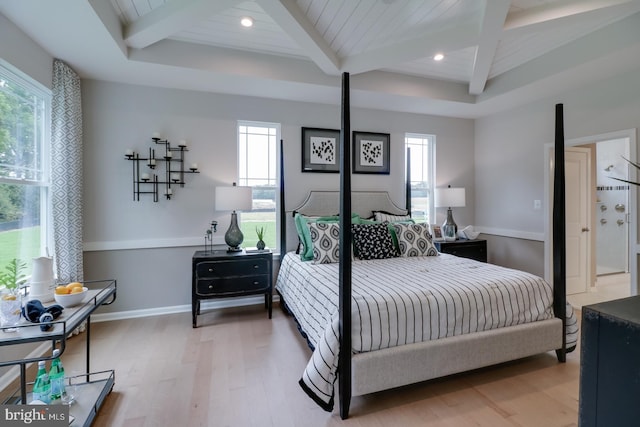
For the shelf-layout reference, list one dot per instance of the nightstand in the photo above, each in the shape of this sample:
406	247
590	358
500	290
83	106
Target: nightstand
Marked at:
222	274
474	249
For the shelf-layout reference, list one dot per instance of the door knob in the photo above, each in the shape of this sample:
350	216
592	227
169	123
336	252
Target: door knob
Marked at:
585	229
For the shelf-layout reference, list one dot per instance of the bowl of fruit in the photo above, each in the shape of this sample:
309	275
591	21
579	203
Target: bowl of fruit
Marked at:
70	295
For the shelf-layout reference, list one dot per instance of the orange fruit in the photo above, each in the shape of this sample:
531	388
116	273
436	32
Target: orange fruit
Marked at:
9	297
61	290
73	285
77	290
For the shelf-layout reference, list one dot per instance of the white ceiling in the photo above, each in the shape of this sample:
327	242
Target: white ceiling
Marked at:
498	53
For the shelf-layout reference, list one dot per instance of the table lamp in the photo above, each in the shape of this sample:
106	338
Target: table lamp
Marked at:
449	198
233	199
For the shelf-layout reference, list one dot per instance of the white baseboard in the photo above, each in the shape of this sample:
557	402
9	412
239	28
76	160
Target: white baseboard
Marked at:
158	311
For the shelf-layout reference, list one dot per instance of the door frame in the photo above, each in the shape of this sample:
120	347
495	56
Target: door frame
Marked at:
634	241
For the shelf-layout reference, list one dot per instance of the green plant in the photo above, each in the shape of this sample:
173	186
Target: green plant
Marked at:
260	232
13	275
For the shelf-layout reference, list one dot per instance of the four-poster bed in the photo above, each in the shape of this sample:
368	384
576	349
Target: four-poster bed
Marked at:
375	324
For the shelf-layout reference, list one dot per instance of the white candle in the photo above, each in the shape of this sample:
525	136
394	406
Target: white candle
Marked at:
128	152
156	135
169	155
145	176
182	143
175	177
168	191
194	166
152	162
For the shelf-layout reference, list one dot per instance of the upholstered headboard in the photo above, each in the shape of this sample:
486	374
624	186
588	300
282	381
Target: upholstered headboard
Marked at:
325	203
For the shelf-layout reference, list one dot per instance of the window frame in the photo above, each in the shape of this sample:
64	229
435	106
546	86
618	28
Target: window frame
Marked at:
430	168
276	171
18	77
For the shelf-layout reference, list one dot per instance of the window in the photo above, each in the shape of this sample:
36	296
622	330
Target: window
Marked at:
257	166
24	167
422	175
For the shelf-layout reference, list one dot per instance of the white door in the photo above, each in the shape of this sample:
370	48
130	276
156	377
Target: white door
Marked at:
577	205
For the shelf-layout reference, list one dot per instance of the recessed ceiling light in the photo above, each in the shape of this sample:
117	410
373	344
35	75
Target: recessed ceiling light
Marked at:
438	57
247	21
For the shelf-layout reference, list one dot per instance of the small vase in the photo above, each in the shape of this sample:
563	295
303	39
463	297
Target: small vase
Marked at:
260	245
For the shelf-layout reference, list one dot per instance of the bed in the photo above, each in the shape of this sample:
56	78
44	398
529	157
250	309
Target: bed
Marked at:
389	321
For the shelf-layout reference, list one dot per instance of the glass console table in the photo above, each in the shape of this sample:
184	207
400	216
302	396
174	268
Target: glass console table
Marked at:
91	388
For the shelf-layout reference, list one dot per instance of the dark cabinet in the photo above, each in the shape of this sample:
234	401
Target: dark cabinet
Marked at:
222	274
610	364
474	249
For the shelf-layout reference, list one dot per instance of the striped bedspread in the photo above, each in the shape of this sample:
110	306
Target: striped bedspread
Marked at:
405	300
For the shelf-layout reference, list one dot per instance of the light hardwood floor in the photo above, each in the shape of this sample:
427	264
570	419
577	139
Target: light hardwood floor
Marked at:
239	368
607	288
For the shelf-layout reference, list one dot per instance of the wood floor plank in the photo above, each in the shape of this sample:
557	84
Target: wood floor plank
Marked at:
238	368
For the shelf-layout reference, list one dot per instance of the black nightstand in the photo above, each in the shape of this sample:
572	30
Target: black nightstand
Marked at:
222	274
474	249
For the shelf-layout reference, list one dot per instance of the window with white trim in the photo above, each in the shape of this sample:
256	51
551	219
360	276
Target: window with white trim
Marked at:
422	149
24	167
257	168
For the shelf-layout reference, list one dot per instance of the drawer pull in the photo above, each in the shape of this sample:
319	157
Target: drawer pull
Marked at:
210	286
211	270
255	282
256	266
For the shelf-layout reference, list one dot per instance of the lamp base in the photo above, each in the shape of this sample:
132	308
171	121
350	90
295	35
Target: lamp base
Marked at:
450	228
234	237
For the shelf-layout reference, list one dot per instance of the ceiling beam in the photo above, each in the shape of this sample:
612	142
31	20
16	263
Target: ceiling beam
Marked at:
171	18
495	13
442	40
287	14
567	10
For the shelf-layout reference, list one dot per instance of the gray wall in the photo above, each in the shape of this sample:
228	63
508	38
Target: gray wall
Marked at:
509	157
148	246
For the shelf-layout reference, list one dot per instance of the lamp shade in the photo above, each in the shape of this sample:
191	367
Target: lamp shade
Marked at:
450	197
233	198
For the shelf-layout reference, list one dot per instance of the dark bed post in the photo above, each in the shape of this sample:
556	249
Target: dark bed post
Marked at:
407	191
559	233
344	361
283	211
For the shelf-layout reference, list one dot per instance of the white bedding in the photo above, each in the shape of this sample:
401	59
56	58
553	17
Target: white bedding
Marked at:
404	300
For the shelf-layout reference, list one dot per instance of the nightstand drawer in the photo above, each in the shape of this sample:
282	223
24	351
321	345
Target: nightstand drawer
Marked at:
213	269
473	249
222	274
235	285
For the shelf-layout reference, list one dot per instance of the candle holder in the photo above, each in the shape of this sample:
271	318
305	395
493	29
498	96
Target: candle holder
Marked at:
171	167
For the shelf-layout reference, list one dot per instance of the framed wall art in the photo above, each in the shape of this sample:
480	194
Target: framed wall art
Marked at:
370	152
320	150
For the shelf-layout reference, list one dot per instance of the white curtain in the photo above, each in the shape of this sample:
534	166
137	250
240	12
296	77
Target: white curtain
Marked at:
66	172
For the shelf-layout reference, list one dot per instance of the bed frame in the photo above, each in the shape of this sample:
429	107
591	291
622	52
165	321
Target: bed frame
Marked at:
364	373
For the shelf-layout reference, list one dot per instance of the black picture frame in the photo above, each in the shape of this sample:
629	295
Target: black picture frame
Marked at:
320	150
371	152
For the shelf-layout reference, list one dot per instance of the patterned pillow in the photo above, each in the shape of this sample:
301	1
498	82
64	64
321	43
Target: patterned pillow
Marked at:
373	241
304	238
414	239
325	238
382	216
